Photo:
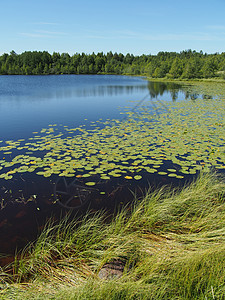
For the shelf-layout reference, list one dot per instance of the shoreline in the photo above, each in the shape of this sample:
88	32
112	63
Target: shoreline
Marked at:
170	244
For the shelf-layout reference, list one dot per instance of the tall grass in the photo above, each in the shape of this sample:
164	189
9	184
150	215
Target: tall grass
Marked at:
172	243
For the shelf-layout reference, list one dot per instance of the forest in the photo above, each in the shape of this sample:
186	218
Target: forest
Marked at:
187	64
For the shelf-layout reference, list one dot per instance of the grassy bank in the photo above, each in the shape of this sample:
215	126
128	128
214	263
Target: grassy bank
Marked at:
189	81
171	244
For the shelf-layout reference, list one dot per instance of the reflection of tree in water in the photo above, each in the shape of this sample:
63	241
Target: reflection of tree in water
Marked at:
189	95
108	90
207	97
194	96
159	88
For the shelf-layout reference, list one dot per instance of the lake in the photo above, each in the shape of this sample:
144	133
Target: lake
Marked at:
78	141
29	103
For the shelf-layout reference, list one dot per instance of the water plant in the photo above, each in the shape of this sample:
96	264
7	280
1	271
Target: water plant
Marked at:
189	134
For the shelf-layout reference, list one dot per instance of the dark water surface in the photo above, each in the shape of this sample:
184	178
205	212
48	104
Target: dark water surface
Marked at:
30	103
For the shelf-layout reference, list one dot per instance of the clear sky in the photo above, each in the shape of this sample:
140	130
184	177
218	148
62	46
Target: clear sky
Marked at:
126	26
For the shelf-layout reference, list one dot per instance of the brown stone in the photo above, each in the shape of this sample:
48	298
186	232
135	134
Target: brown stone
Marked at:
112	270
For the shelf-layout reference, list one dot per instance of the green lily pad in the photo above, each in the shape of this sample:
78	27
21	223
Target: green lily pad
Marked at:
90	183
172	175
171	170
162	173
86	175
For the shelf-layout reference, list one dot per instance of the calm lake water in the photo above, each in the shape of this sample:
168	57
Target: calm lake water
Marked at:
29	103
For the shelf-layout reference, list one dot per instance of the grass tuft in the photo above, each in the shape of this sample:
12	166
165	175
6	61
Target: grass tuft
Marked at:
171	244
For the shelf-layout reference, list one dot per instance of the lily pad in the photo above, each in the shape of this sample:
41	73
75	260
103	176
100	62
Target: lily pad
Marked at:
91	183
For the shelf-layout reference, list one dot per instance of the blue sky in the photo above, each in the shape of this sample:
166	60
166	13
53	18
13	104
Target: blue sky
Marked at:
126	26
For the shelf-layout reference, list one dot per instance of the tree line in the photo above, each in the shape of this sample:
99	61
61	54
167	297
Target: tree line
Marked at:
187	64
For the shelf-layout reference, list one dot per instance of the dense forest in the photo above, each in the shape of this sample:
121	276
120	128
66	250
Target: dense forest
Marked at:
187	64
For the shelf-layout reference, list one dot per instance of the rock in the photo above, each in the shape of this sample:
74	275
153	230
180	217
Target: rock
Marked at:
112	270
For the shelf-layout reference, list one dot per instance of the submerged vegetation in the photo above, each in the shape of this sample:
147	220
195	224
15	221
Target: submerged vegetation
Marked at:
187	64
171	244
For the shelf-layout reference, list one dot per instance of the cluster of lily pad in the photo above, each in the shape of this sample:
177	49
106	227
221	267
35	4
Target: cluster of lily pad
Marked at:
190	134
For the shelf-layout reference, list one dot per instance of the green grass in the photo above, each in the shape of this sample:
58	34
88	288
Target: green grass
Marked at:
172	242
182	80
